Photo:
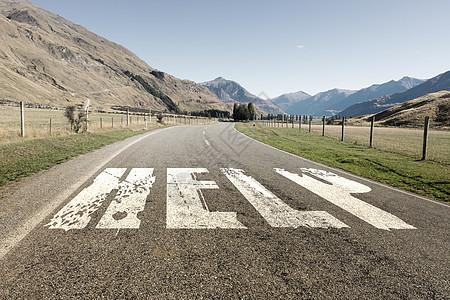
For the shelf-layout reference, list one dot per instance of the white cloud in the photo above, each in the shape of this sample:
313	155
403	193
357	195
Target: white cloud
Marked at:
300	47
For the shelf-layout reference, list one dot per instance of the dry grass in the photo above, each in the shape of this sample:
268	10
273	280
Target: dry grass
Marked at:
396	140
37	123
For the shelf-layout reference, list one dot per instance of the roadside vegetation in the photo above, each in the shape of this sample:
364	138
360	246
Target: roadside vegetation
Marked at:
77	123
244	112
28	157
425	178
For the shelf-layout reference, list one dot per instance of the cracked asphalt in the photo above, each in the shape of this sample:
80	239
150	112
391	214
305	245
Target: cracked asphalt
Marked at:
257	262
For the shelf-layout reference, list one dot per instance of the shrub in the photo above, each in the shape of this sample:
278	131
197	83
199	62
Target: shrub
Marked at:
78	123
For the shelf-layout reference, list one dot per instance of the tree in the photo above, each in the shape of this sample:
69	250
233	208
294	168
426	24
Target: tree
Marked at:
251	111
235	111
242	113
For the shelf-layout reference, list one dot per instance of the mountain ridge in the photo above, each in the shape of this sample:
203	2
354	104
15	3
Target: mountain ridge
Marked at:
284	101
48	60
335	100
229	91
377	90
314	104
436	84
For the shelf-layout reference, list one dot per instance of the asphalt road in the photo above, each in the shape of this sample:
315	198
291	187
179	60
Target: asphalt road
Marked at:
206	212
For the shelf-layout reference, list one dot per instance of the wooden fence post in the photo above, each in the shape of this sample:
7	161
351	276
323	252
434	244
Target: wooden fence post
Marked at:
50	126
323	126
425	137
112	122
128	116
86	110
22	119
300	122
343	126
372	121
101	123
310	121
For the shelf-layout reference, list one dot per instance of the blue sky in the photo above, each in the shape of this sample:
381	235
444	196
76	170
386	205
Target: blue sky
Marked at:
276	47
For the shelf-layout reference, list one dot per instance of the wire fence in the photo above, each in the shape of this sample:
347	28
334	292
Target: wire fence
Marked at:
40	123
405	141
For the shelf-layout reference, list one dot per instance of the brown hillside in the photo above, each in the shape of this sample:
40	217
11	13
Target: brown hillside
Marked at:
48	60
412	113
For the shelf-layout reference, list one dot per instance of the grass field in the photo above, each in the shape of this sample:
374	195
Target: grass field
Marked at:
37	123
426	178
38	150
31	156
404	141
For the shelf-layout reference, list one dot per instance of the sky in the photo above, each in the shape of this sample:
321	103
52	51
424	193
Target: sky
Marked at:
276	47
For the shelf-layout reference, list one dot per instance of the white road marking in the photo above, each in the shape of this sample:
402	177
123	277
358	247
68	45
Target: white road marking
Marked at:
206	140
76	214
347	173
339	193
273	209
13	238
185	207
129	200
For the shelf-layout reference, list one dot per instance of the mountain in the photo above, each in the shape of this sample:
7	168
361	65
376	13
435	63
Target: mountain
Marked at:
285	101
412	113
372	92
315	104
229	91
435	84
333	101
47	60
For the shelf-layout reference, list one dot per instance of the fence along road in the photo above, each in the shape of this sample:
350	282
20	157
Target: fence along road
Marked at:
169	214
406	141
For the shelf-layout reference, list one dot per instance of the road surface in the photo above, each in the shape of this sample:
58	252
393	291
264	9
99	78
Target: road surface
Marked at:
206	212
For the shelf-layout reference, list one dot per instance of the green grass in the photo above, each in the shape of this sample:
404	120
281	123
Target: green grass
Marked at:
25	158
426	178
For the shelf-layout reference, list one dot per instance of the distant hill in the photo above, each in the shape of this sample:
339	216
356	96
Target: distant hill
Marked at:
314	105
372	92
50	61
333	101
413	112
435	84
285	101
230	91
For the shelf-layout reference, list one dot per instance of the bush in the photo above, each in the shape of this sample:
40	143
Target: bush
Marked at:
78	123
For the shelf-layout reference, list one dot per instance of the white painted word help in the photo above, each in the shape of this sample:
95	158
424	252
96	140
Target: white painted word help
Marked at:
187	208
